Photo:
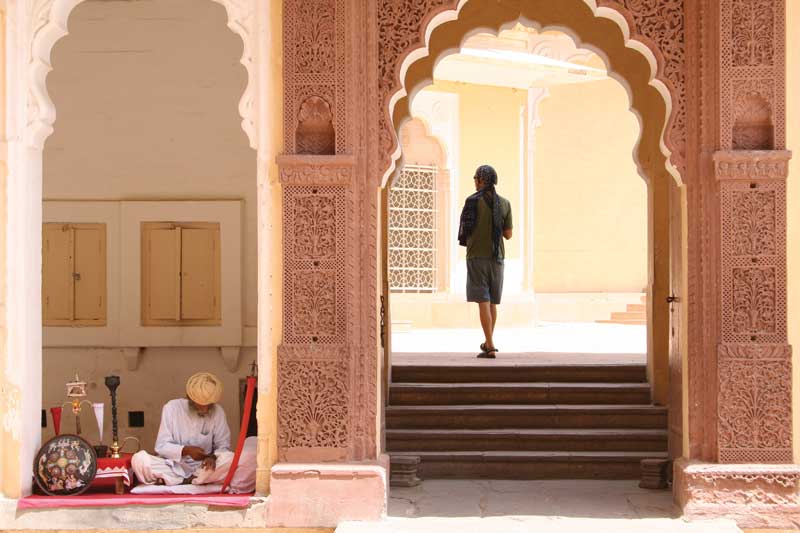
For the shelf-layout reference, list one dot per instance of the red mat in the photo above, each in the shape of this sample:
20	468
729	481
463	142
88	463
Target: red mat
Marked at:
104	499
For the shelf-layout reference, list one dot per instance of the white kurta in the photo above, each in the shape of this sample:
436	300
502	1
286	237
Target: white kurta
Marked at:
181	426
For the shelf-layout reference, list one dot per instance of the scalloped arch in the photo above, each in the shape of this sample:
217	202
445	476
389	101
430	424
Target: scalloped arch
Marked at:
601	26
48	19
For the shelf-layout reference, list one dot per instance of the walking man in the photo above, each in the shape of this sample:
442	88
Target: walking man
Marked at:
485	222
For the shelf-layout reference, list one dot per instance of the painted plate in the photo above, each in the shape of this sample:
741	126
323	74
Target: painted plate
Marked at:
65	466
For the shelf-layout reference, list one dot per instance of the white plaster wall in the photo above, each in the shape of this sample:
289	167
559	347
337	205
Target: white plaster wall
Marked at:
147	96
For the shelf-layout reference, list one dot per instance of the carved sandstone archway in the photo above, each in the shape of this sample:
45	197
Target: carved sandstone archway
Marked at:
48	24
604	27
409	57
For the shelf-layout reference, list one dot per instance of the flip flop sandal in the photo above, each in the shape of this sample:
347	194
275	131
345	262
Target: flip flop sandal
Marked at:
487	355
484	350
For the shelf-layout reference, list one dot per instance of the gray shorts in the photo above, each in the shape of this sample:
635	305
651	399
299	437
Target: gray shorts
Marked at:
484	280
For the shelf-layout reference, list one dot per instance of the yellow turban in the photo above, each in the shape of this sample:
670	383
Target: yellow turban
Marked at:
204	388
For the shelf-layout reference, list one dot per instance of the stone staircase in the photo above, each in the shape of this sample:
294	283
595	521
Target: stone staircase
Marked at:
524	421
635	314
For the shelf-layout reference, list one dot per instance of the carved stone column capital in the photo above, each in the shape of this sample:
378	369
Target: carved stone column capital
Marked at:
302	170
752	165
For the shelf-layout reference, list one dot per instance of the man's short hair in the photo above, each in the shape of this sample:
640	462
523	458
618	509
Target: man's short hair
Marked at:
486	174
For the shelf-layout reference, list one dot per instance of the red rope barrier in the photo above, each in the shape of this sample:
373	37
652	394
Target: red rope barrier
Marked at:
248	406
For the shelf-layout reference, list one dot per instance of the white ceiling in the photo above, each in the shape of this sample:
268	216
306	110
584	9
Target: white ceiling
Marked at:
521	58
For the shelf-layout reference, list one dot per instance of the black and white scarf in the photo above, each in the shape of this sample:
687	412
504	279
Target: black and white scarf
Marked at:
469	216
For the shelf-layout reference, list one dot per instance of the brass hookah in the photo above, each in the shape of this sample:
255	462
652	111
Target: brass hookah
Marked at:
112	382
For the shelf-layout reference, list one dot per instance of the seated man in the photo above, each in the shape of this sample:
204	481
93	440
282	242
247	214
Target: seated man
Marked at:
193	442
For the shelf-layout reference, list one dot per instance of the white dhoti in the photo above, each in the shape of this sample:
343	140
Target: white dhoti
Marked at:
149	469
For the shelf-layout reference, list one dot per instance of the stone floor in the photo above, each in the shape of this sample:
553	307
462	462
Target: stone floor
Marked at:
532	506
561	337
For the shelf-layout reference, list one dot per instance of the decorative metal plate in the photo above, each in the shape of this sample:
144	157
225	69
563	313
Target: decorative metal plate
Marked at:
65	466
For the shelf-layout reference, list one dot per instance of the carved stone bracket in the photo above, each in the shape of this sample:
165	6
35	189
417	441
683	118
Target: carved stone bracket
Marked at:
133	356
754	495
230	356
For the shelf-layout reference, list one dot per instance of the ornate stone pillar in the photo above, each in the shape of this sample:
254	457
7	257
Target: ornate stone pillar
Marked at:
328	469
754	369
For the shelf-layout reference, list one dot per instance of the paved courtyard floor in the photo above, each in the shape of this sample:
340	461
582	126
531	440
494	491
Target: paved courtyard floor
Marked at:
466	506
556	337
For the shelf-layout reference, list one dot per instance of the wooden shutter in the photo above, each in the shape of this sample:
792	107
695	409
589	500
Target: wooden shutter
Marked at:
161	268
73	274
57	268
199	267
180	274
90	272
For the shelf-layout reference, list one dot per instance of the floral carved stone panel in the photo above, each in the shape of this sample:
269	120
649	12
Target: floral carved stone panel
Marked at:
755	403
753	222
315	242
315	303
754	300
314	37
315	227
313	396
753	27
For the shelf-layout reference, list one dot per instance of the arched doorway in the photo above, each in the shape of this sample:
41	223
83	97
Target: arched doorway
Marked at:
605	31
29	125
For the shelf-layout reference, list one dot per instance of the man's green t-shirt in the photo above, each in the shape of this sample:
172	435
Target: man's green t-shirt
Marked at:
479	244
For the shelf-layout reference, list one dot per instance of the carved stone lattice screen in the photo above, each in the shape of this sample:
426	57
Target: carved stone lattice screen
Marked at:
754	370
754	366
412	230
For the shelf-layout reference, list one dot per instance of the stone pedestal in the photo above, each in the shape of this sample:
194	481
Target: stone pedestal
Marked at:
754	495
323	495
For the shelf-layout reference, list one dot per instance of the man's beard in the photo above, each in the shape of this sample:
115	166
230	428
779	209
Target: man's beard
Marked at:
197	412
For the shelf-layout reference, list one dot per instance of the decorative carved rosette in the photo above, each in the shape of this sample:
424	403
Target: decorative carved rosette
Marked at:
754	361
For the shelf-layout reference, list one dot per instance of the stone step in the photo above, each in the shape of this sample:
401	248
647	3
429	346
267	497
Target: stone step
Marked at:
531	465
595	440
632	322
637	308
625	315
525	416
531	373
518	393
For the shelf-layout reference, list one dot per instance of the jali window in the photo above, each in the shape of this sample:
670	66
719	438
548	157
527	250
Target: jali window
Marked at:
412	230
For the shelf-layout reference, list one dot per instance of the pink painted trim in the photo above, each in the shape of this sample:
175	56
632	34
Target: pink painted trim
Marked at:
114	500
